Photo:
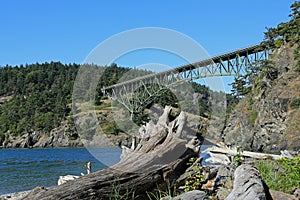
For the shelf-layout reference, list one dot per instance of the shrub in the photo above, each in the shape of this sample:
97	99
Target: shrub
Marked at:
194	181
281	175
295	104
253	117
73	136
278	42
116	193
238	158
111	128
2	138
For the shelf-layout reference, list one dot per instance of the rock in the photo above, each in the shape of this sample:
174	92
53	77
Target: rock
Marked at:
224	181
248	184
209	185
194	144
286	154
218	159
276	195
64	179
58	137
38	189
14	196
212	172
264	120
225	171
297	193
192	195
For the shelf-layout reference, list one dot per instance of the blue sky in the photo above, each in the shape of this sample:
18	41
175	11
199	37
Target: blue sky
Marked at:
64	30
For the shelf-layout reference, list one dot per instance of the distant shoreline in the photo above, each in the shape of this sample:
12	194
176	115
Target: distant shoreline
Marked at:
205	142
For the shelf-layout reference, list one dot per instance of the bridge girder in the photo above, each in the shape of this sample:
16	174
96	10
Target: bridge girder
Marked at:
233	63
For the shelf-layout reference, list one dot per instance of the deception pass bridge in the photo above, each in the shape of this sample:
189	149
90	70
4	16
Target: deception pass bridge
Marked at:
234	63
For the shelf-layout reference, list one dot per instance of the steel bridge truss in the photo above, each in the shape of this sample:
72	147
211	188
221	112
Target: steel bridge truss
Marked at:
234	63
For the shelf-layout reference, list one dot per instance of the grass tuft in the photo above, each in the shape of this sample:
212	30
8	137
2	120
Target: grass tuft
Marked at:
281	175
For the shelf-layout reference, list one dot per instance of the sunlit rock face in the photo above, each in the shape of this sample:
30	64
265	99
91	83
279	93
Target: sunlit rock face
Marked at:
267	119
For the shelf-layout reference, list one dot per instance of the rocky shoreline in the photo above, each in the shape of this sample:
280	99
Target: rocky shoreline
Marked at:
40	140
220	182
59	138
191	180
15	195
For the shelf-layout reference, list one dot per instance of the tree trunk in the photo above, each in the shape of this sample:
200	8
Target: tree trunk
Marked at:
157	160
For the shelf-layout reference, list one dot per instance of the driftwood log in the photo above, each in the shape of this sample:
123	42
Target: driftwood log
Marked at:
248	185
223	155
156	161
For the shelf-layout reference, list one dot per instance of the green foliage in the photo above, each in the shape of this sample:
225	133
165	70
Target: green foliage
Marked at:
73	136
2	137
259	71
278	42
268	70
287	32
42	95
295	104
40	92
281	175
159	194
240	86
44	121
140	118
231	102
104	97
116	193
157	94
238	158
260	85
194	181
110	127
253	116
284	33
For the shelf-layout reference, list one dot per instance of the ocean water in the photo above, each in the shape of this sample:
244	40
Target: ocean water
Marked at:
24	169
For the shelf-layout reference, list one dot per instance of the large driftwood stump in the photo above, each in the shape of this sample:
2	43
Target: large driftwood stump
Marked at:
157	160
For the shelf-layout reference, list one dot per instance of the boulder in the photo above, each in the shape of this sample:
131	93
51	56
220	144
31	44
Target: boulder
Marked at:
64	179
248	185
192	195
276	195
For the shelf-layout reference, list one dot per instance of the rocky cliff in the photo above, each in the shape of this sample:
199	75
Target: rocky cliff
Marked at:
58	137
267	119
66	135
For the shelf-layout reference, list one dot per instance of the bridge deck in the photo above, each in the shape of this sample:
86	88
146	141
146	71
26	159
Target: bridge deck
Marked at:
203	63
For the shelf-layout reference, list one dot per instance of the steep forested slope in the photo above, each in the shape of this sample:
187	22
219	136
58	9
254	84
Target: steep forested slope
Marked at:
36	98
36	103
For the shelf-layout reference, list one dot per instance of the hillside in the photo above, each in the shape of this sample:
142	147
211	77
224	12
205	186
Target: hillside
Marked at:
36	101
267	117
36	105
